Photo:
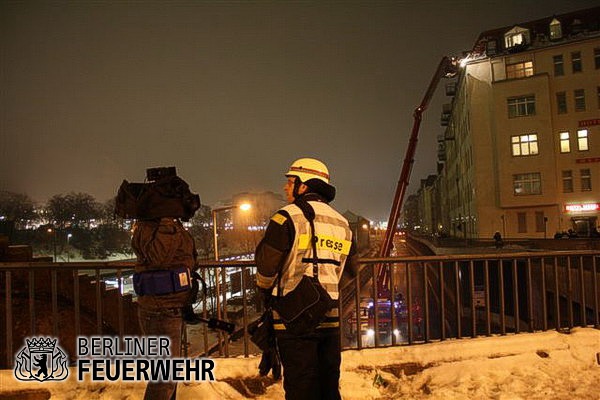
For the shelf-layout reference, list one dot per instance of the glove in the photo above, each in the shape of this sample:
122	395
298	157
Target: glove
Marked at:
270	362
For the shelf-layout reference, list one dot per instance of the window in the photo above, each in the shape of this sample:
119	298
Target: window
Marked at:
576	61
567	179
586	180
540	221
559	67
582	140
598	92
522	222
519	70
524	145
579	99
561	102
521	106
526	184
565	144
517	36
555	29
597	58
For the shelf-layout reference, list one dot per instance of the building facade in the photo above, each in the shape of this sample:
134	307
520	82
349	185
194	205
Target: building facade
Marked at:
521	148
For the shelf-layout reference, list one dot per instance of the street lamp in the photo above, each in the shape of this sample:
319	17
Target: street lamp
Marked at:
243	207
69	236
53	232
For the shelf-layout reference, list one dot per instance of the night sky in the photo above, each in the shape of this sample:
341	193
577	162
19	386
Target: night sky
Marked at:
230	93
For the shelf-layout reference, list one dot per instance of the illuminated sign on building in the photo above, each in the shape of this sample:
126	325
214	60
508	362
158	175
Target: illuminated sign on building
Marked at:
589	122
582	207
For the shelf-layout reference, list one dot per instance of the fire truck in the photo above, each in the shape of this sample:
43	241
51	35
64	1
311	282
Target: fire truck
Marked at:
386	327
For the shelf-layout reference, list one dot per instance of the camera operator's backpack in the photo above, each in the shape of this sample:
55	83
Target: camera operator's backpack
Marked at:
167	197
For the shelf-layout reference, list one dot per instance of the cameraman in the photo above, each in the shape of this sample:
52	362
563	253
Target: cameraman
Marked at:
165	256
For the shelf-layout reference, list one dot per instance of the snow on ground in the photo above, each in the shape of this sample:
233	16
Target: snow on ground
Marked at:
547	365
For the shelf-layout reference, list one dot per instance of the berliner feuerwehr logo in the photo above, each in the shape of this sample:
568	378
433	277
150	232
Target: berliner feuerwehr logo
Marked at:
41	360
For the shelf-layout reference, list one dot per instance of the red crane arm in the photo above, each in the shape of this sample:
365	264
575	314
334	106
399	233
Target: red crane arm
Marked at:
446	68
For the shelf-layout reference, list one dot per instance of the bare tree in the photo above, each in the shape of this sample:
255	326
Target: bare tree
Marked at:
73	209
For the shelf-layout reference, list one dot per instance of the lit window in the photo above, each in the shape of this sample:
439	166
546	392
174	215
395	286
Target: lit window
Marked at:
576	61
561	102
586	180
521	106
559	66
519	70
579	99
565	145
597	58
526	184
524	145
582	140
555	29
516	37
567	178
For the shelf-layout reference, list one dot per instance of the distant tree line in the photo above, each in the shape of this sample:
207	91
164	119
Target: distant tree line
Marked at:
77	223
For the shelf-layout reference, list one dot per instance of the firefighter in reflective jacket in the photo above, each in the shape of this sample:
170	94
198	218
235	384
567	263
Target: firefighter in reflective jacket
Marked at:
311	362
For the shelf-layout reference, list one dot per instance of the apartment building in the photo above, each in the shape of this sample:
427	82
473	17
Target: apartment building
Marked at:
521	149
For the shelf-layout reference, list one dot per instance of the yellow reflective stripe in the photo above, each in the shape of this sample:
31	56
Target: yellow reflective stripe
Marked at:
278	218
324	242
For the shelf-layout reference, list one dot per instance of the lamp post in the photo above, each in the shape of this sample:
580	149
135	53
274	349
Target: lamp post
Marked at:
215	211
69	236
52	231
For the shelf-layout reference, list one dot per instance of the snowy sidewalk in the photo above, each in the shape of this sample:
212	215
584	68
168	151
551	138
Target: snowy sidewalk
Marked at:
547	365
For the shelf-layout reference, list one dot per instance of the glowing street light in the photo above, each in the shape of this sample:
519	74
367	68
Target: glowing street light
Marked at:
69	236
243	207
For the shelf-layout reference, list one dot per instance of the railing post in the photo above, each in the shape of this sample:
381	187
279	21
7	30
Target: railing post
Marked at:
442	303
569	293
582	287
530	296
9	319
516	313
54	294
501	290
556	295
472	294
544	296
488	312
595	283
409	303
425	304
31	298
358	314
457	298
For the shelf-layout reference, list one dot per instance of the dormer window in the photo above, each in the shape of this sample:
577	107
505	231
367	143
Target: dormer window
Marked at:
517	37
555	29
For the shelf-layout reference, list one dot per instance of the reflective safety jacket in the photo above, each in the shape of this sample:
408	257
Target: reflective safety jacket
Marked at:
334	245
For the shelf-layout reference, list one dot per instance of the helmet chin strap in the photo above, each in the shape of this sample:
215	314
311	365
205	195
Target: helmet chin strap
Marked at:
297	184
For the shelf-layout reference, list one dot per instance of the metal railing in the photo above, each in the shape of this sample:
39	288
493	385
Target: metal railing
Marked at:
430	298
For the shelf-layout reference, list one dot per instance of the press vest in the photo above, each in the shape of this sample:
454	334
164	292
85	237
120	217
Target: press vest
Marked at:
334	239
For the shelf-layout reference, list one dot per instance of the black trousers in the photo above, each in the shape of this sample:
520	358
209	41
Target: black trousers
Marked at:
311	365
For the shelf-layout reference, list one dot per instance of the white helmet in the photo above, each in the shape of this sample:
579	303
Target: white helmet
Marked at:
309	168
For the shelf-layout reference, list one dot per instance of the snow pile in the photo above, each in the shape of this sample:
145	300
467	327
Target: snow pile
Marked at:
547	365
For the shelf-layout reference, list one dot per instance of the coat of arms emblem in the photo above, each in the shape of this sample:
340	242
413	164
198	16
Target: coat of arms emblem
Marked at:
41	360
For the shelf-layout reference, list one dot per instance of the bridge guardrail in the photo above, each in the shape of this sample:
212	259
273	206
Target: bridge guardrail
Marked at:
431	298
